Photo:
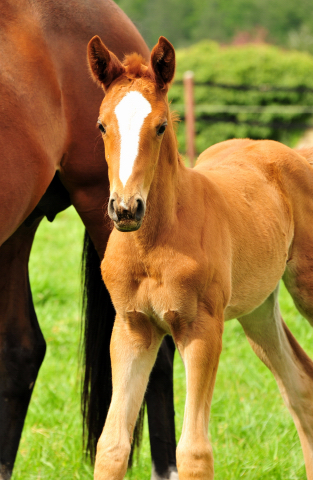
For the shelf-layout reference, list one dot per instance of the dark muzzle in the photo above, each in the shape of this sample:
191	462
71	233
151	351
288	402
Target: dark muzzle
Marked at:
127	216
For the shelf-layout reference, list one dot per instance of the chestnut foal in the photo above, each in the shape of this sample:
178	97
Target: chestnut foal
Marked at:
201	246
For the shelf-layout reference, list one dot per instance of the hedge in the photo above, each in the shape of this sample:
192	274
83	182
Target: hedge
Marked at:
249	65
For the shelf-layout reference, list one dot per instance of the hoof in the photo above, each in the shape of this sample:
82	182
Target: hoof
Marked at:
5	473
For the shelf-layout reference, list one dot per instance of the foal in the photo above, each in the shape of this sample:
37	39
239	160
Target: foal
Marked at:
203	245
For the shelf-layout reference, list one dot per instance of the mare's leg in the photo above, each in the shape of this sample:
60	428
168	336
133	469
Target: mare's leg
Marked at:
200	344
134	346
160	404
22	346
293	369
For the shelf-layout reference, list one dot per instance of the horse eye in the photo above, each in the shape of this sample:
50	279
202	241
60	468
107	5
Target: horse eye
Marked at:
161	129
101	127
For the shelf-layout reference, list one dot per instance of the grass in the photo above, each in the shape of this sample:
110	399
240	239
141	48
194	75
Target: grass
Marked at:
252	433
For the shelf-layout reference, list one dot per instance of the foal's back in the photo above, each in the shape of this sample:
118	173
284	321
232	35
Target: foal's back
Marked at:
268	188
261	172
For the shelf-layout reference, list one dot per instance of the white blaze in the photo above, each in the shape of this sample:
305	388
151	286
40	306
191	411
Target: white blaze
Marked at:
130	114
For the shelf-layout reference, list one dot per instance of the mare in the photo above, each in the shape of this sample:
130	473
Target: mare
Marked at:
191	249
50	158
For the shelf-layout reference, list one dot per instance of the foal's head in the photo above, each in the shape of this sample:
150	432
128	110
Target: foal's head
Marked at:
133	120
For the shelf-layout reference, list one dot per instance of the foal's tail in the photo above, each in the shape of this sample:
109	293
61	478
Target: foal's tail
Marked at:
98	316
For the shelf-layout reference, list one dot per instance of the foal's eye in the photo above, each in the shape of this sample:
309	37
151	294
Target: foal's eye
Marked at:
101	127
161	129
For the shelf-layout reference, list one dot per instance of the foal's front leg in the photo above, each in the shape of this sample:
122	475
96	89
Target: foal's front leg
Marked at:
134	346
200	344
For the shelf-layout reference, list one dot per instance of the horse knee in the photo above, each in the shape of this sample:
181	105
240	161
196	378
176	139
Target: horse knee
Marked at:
111	460
20	362
195	461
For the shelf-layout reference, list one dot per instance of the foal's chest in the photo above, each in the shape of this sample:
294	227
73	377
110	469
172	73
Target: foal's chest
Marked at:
156	285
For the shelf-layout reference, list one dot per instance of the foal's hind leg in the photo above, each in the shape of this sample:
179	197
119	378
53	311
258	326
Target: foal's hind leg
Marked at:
22	346
134	346
293	369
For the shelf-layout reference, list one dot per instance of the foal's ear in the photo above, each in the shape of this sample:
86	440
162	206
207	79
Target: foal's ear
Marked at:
162	62
104	65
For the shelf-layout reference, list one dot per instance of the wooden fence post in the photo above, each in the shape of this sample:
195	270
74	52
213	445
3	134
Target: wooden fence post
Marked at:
189	116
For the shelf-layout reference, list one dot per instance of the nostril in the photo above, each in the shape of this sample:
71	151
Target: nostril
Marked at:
111	210
140	209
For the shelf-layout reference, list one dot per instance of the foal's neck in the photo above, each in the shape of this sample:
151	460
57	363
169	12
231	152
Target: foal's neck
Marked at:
164	191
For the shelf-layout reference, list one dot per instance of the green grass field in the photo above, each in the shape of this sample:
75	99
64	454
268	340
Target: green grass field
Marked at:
252	433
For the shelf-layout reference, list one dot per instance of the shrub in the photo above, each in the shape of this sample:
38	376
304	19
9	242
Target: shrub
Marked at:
249	65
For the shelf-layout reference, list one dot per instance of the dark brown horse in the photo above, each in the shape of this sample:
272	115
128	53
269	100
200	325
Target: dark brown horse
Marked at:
49	159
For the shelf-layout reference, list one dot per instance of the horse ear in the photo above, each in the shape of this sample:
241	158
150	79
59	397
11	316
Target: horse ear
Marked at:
104	65
162	62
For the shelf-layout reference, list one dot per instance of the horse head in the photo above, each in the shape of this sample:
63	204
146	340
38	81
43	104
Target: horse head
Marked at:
133	119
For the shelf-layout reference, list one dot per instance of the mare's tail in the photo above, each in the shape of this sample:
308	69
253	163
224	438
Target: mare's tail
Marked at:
98	316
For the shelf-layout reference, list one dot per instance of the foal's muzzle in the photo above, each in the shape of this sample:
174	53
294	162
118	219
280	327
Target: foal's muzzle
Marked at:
127	216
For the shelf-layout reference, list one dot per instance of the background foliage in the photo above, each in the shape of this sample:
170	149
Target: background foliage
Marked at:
285	22
249	65
251	26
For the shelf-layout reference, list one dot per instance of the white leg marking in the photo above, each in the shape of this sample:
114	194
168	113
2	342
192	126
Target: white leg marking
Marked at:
171	474
130	114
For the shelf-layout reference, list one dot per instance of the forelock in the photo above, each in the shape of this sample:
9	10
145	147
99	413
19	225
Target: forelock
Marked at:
135	65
